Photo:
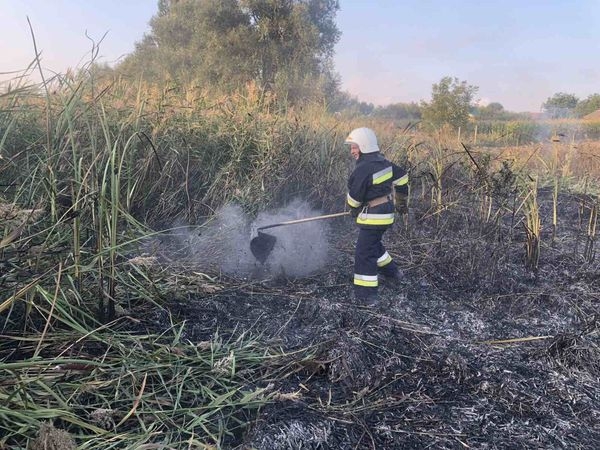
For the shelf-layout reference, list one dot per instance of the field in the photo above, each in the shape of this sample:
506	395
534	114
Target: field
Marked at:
132	314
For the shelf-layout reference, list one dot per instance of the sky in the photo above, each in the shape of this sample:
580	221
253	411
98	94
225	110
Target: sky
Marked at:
518	52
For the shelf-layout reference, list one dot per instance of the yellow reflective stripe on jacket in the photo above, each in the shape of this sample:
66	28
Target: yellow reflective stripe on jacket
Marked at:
384	260
365	280
375	219
382	175
401	181
353	203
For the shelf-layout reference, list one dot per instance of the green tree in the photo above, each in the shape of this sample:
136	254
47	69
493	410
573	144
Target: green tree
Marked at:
587	106
202	40
492	111
344	103
451	102
295	38
560	105
494	108
284	46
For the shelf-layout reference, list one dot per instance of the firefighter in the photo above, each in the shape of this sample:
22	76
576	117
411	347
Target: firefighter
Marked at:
376	188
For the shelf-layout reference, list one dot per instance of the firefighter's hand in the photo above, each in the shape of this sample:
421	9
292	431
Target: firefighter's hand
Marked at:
354	212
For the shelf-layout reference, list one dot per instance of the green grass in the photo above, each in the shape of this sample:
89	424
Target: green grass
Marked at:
117	390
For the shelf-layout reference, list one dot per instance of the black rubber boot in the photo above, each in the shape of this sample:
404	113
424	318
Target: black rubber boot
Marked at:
372	300
391	278
365	296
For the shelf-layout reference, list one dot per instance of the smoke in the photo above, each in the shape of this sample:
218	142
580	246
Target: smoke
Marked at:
223	243
300	248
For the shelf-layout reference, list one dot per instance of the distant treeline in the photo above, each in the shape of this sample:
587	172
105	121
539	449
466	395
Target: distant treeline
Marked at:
284	49
414	111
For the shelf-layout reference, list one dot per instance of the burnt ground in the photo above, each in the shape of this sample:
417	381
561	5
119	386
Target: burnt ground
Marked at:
469	350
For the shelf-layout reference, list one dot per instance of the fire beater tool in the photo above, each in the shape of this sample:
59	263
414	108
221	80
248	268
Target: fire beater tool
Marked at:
262	245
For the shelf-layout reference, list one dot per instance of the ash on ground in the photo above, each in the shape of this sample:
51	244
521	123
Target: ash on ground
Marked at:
469	350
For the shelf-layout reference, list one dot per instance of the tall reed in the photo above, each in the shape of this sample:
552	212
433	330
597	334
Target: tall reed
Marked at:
532	226
589	251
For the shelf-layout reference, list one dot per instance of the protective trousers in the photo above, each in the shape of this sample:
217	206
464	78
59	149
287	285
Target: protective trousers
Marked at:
371	258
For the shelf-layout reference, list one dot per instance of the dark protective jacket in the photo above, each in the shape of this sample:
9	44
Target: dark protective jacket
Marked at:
373	177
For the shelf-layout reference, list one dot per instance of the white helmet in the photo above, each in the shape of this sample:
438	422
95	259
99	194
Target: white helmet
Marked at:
365	139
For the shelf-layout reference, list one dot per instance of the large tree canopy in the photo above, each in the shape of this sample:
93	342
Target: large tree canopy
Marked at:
284	46
450	103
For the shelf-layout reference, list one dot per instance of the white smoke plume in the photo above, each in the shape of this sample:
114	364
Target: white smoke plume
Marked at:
223	243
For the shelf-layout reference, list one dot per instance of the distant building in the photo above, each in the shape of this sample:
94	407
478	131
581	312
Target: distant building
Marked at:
592	116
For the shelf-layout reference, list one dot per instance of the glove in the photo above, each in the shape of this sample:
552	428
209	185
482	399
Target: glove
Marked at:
354	212
401	203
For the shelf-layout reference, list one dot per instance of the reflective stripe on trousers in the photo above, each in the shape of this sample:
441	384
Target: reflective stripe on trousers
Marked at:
370	258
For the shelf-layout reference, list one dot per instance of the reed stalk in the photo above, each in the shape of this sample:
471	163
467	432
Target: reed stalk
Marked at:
589	253
532	226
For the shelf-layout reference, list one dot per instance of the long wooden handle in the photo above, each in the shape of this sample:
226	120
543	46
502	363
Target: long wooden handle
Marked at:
309	219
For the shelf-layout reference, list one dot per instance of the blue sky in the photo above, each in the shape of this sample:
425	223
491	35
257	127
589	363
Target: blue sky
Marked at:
519	53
